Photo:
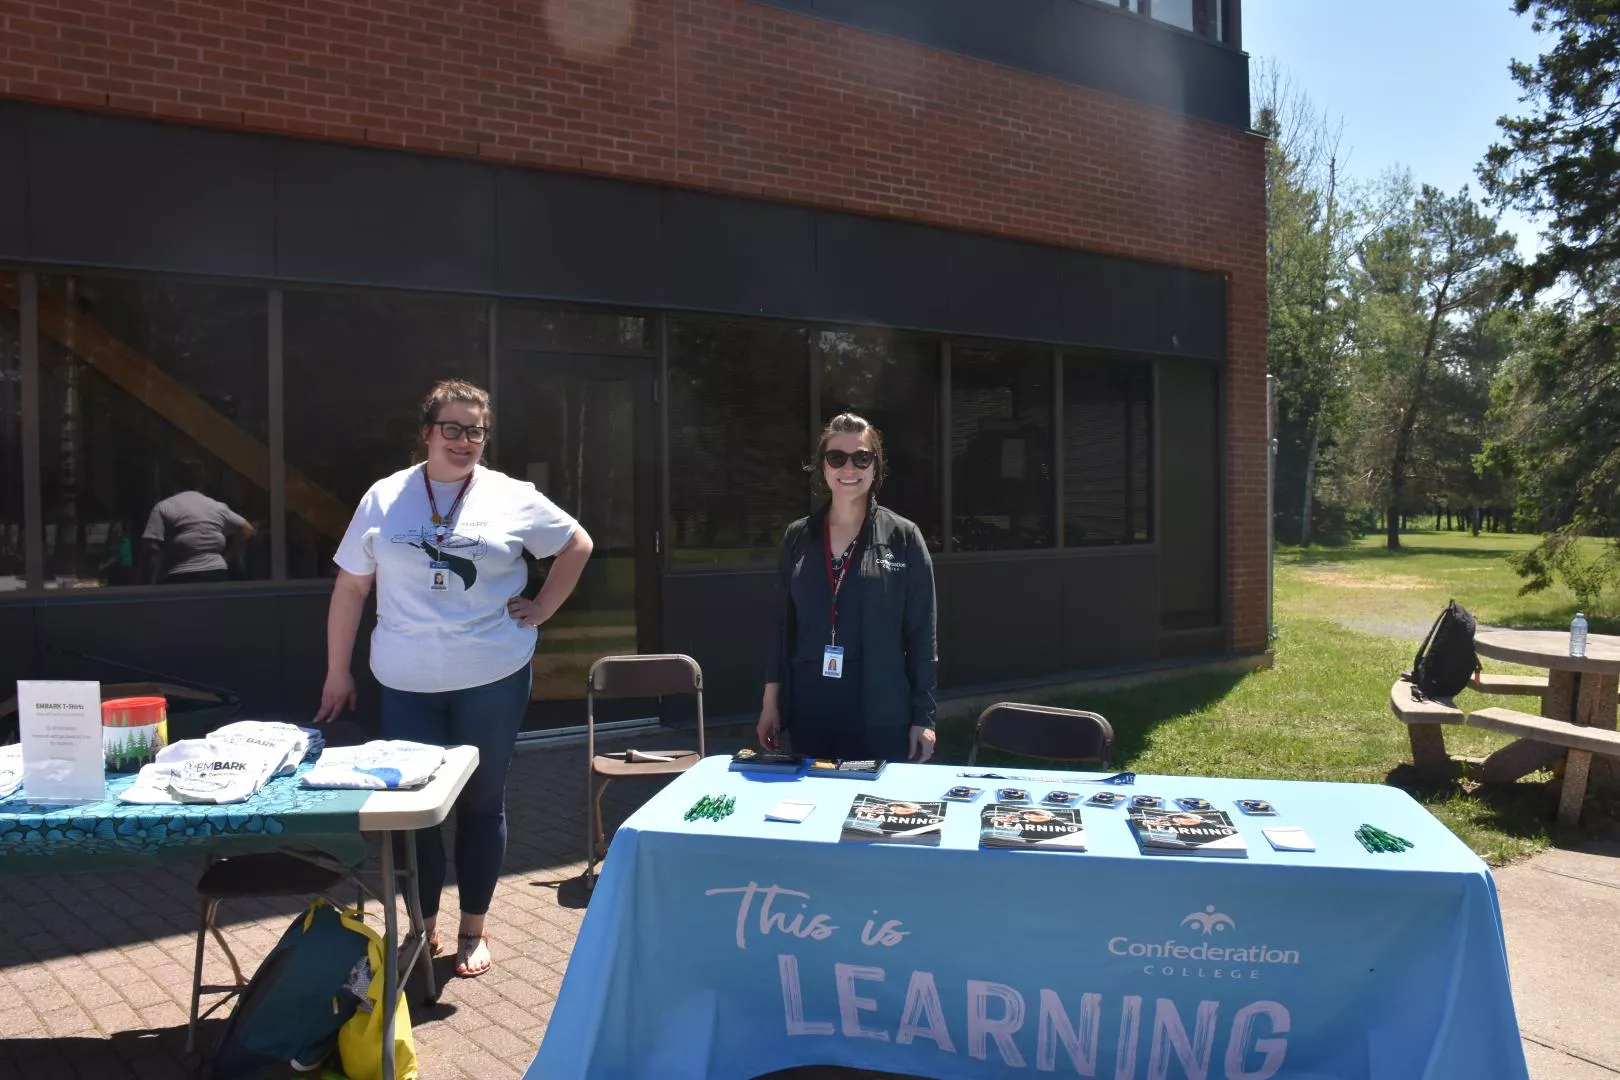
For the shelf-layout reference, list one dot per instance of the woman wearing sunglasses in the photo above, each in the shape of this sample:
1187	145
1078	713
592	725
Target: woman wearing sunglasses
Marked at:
850	672
455	636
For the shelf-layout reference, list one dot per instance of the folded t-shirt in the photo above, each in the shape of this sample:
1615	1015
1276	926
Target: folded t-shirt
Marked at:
376	765
202	770
11	769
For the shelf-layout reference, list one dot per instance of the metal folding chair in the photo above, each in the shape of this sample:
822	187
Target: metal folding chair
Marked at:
1041	731
649	676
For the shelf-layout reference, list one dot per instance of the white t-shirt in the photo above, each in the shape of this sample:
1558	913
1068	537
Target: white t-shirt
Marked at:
441	612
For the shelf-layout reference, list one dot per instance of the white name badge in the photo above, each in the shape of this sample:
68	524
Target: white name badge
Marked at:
438	577
60	728
832	662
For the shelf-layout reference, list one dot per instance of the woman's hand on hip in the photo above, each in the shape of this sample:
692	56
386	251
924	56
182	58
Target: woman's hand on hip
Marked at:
769	728
525	611
336	695
922	743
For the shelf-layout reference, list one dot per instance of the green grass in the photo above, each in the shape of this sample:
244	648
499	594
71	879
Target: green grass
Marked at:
1349	621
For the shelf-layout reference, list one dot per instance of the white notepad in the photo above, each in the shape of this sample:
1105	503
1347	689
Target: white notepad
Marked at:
790	811
1289	838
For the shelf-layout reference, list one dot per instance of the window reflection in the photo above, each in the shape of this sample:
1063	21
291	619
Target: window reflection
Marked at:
11	479
1107	451
357	366
154	431
891	379
1001	449
739	418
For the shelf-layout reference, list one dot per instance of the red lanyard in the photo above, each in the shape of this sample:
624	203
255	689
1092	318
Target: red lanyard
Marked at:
837	584
433	503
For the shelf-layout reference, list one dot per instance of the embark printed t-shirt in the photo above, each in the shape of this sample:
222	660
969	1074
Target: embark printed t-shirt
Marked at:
441	607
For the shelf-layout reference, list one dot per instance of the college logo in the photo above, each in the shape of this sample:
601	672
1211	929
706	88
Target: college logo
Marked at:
1209	921
1202	958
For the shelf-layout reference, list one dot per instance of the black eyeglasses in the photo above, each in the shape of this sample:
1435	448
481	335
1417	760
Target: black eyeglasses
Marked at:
453	431
837	459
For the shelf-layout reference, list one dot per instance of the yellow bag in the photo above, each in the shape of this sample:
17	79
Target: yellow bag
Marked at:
360	1039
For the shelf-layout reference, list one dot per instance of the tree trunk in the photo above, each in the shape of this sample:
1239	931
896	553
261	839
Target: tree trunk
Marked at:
1310	480
1476	515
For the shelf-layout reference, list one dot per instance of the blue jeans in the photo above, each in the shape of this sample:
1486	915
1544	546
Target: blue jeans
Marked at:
487	717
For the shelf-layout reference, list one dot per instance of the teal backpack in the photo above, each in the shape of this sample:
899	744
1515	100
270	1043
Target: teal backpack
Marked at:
290	1012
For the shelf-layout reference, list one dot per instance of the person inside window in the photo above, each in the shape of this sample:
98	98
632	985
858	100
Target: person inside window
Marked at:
455	636
191	537
851	661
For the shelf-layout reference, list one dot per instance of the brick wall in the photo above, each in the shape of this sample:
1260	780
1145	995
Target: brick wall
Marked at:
717	94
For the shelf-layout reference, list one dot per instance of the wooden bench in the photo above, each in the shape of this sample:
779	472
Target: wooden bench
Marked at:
1486	683
1422	719
1579	741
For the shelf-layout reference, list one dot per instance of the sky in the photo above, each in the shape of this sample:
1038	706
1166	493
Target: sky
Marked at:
1417	83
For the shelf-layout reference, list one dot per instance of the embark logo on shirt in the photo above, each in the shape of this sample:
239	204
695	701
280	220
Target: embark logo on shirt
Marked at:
460	553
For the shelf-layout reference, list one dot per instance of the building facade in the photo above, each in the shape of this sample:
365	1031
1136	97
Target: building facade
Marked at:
240	238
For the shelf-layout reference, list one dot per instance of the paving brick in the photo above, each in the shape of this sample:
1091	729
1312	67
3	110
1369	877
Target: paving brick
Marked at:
70	1020
141	992
110	1019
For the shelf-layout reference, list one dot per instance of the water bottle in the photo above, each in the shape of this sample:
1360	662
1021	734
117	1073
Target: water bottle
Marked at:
1577	635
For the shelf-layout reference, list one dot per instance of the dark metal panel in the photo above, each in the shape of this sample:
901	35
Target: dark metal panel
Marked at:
1113	303
721	621
1190	477
228	640
998	619
110	191
13	183
1109	616
1083	42
737	255
377	217
301	622
1004	288
17	646
577	238
885	272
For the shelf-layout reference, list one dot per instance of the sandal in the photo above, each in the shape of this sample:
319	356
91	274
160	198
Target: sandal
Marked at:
466	945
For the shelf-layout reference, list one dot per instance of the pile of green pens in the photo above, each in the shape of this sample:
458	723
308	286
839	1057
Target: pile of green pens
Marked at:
1376	840
712	807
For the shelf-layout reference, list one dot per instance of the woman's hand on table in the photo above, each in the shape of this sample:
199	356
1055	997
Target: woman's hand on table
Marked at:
337	695
769	728
922	743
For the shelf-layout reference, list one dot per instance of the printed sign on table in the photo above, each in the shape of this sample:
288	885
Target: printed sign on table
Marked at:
60	728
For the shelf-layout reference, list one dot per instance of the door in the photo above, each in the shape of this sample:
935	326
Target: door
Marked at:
583	430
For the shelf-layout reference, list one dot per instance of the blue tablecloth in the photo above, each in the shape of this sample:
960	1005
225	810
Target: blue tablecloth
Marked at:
730	949
42	839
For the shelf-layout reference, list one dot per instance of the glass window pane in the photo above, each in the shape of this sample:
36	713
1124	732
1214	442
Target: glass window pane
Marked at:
1107	447
11	495
357	367
739	413
154	414
1001	449
893	381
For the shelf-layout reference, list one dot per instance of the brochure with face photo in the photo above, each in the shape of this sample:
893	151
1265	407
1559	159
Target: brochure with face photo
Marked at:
1187	832
874	819
1040	828
846	769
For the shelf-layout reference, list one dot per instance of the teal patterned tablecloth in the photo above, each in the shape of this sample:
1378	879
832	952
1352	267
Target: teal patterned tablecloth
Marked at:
47	839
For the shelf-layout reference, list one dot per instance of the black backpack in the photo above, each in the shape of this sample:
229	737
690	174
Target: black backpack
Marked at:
1446	660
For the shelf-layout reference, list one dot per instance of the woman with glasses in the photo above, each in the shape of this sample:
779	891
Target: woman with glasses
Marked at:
455	636
850	671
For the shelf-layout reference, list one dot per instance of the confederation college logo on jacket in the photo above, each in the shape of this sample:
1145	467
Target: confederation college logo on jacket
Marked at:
1201	957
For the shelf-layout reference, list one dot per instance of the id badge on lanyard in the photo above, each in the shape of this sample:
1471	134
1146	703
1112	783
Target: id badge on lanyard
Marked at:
832	657
438	576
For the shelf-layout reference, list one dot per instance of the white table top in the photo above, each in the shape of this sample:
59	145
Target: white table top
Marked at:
1549	649
397	811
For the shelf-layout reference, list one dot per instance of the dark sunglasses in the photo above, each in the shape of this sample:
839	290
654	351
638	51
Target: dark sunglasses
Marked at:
837	459
453	431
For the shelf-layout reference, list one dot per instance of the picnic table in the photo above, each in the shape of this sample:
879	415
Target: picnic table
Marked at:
1581	690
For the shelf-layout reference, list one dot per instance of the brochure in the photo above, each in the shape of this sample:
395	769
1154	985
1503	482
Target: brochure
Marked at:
1187	832
875	819
1043	828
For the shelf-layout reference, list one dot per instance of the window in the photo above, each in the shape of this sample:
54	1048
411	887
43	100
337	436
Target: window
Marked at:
357	365
1202	17
739	414
154	426
1107	450
11	495
893	381
540	328
1001	449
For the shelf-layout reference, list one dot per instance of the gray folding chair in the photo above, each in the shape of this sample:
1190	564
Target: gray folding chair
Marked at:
649	676
1041	731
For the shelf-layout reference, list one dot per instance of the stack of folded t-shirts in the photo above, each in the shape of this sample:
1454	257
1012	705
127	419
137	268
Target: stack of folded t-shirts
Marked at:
227	766
11	769
376	765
